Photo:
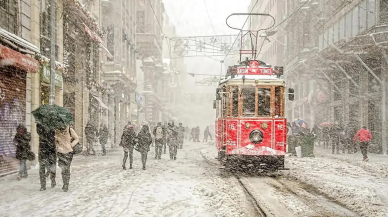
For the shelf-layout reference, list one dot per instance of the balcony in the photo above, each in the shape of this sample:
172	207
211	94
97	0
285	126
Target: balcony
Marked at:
149	44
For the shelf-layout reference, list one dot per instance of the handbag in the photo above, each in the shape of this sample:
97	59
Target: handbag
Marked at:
78	147
30	155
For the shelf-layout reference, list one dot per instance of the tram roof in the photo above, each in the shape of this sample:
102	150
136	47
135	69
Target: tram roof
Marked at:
254	80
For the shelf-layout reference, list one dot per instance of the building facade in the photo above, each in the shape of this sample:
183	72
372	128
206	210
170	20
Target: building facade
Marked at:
336	60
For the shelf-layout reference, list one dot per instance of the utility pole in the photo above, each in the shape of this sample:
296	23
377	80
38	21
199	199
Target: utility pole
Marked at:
52	56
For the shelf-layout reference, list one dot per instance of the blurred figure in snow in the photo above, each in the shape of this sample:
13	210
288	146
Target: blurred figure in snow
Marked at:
103	135
128	142
165	126
91	136
181	135
364	137
206	134
172	134
158	134
47	155
22	142
144	143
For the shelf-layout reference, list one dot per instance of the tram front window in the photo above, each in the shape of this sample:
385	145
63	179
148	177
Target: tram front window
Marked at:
248	94
264	102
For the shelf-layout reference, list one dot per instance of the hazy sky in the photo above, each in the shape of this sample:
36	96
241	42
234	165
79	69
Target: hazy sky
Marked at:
191	19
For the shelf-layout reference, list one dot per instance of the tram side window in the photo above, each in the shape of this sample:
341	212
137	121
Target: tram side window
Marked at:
225	105
248	106
278	98
264	102
235	101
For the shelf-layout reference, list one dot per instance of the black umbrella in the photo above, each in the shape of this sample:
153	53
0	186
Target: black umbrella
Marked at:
53	116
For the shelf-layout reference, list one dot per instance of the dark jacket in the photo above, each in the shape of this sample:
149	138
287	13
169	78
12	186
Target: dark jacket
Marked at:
22	142
144	139
128	139
104	134
90	131
47	149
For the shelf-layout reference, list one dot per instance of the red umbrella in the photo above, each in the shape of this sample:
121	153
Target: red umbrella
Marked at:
324	124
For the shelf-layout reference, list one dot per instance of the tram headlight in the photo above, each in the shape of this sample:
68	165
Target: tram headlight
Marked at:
256	136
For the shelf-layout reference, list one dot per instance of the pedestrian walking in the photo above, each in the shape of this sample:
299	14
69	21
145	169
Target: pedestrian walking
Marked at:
335	137
165	139
181	135
128	142
364	137
103	136
197	131
326	136
22	142
65	140
47	155
158	134
144	143
206	134
192	134
172	133
91	135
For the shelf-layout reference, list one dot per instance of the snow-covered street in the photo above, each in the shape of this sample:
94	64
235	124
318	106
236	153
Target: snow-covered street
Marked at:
100	187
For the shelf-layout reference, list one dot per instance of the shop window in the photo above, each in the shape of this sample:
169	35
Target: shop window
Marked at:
371	11
338	114
362	9
278	103
249	101
264	102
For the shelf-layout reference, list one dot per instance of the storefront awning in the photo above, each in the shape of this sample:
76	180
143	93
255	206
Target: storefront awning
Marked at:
9	57
102	104
95	37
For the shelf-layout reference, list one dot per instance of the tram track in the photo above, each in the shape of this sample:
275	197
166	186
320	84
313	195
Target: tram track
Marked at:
260	190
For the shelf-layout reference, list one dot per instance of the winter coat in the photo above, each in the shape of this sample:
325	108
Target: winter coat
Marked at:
206	132
47	149
104	134
22	143
65	140
363	136
144	140
128	139
172	133
154	133
90	132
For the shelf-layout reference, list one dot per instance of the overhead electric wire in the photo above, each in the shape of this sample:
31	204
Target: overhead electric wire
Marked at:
210	20
241	28
293	13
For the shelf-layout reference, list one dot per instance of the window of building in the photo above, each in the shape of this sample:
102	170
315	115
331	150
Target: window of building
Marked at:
362	9
249	101
336	32
355	22
8	15
342	28
348	24
371	11
383	11
140	16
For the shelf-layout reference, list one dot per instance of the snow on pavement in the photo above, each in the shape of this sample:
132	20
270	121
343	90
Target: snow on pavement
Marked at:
100	187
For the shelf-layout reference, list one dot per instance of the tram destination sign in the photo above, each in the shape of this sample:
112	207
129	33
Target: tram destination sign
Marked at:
254	69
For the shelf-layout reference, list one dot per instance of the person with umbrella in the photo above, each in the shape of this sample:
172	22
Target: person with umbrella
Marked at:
145	140
65	140
48	119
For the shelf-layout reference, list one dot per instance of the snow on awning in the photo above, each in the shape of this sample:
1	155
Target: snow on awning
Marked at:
95	37
102	104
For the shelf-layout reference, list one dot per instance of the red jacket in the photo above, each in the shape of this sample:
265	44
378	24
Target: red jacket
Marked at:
363	136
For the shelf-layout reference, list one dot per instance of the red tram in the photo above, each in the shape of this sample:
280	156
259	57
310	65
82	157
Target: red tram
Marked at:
251	124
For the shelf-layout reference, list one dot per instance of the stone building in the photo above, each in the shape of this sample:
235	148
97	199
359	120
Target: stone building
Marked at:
336	60
119	71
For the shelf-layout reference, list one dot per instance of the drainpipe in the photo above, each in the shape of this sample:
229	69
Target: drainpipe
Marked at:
384	108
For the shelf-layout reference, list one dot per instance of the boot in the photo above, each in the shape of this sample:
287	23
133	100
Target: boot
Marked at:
65	188
124	168
53	183
144	168
43	188
130	166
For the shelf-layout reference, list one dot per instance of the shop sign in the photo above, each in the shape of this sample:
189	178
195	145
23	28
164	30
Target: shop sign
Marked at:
45	76
14	58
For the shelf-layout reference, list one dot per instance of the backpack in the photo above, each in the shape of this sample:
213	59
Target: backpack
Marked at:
159	133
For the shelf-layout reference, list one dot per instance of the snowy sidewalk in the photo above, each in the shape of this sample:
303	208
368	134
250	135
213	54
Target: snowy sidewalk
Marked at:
377	164
100	187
